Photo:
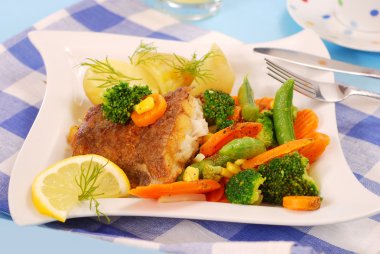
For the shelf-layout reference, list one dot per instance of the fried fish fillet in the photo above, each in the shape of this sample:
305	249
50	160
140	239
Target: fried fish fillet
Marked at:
154	154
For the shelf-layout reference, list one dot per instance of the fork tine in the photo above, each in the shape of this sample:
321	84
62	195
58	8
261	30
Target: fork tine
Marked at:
299	87
290	74
287	72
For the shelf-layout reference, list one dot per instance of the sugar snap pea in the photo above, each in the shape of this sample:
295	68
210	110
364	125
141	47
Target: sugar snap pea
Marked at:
282	113
243	148
249	109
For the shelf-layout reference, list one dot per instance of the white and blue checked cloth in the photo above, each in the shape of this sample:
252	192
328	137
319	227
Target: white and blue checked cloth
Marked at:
22	88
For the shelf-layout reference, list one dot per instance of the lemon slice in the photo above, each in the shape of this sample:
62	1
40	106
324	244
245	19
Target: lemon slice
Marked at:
56	190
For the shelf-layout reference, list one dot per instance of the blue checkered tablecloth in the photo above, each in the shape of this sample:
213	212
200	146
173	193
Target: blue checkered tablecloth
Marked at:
22	75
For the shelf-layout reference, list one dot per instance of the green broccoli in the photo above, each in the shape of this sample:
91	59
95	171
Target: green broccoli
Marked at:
244	188
287	176
211	167
119	101
217	107
267	134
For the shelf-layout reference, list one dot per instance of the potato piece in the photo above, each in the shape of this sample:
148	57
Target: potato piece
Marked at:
93	86
222	76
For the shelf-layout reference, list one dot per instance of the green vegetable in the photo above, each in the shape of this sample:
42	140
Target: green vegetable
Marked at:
267	134
243	188
249	110
282	113
217	107
211	167
119	101
243	148
287	176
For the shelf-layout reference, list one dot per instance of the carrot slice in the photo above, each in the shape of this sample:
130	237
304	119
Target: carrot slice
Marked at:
216	195
264	103
236	100
236	114
151	116
278	151
316	148
222	137
304	203
306	123
158	190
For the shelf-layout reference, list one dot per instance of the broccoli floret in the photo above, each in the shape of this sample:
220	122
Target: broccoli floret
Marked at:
217	107
243	188
267	134
211	167
287	176
119	101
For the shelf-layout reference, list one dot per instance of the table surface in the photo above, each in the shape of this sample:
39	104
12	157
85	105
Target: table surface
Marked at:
253	26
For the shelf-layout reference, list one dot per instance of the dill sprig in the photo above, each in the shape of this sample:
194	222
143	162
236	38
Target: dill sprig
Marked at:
112	76
193	67
87	179
142	54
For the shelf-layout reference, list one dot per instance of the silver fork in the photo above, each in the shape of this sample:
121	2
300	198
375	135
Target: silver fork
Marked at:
322	91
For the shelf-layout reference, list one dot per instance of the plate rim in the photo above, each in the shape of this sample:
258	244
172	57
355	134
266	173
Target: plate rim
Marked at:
11	204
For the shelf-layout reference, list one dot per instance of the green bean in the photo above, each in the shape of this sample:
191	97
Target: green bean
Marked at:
283	113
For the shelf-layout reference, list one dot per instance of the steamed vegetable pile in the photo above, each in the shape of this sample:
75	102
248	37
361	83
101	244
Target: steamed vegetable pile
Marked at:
258	150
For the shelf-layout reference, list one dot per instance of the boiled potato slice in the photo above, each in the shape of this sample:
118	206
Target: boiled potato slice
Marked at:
162	66
220	74
93	86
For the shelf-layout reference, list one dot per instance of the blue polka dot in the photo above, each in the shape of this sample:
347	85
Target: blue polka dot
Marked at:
354	24
327	16
347	32
374	12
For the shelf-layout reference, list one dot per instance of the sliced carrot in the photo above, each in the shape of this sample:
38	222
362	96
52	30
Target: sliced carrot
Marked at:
158	190
216	195
304	203
222	137
278	151
151	116
264	103
236	100
316	148
236	114
306	123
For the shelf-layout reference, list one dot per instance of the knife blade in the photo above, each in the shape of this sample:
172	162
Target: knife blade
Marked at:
317	62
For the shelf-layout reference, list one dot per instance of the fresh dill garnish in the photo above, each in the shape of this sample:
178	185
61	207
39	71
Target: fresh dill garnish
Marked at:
142	54
193	67
112	76
87	179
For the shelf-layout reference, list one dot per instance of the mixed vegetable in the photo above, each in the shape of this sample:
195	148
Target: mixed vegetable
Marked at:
258	150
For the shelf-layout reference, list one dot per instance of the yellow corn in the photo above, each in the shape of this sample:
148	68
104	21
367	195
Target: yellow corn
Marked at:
190	174
233	168
239	162
145	105
226	173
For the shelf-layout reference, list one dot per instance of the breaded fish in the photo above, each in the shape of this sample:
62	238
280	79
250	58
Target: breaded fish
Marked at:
154	154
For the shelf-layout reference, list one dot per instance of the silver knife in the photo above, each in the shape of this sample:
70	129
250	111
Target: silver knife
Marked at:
318	62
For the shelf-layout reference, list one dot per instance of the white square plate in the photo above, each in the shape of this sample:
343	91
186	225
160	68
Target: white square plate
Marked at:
344	198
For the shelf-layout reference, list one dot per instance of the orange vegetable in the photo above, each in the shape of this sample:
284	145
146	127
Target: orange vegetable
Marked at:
158	190
304	203
216	195
151	116
306	123
278	151
236	114
264	103
236	100
222	137
316	148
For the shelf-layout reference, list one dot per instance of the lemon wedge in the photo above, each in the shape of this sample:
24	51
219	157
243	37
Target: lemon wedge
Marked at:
57	189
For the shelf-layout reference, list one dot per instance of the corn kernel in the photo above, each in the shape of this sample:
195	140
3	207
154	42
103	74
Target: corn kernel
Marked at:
199	157
226	173
190	174
239	162
145	105
233	168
